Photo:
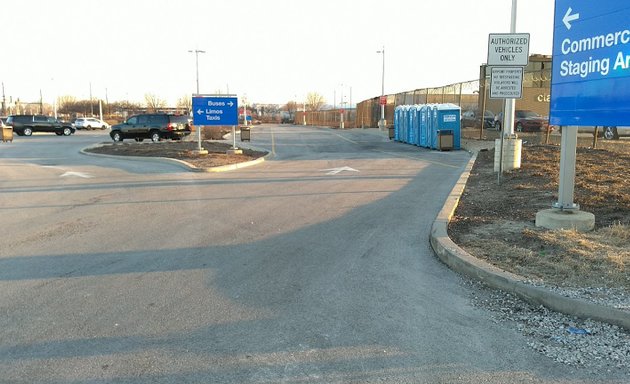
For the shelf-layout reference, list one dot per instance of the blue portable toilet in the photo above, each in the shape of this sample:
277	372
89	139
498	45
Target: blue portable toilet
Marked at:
448	119
416	124
423	125
430	124
403	124
411	118
397	114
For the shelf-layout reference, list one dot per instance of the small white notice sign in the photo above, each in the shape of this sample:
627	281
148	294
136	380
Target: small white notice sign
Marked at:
506	83
508	49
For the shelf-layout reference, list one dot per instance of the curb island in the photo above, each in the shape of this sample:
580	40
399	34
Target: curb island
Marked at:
463	262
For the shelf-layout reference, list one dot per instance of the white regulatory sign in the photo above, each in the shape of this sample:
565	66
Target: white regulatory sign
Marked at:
506	83
508	49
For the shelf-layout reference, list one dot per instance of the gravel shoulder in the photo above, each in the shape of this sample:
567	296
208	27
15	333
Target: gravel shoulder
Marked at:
496	223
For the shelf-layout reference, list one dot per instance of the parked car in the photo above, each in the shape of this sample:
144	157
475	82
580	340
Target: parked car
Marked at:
524	121
154	126
607	132
25	125
90	123
473	119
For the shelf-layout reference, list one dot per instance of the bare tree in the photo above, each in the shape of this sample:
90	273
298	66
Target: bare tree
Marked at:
65	102
154	102
315	101
185	102
291	108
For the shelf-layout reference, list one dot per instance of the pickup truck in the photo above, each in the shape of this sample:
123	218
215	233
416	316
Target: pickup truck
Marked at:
25	125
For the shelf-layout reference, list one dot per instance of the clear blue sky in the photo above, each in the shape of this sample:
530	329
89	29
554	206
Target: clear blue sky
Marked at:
271	51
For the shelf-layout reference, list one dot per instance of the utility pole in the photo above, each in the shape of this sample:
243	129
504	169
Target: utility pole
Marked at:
381	122
197	52
4	101
200	149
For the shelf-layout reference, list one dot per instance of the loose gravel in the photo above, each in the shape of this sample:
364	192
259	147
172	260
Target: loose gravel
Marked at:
595	346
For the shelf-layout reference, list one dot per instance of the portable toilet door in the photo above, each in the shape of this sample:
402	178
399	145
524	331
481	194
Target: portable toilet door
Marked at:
416	124
397	112
411	136
405	124
403	115
422	125
429	128
434	127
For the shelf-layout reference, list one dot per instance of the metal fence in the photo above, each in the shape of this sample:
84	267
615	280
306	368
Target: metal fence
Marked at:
464	94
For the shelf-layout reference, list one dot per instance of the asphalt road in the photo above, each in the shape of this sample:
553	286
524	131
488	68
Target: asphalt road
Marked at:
313	267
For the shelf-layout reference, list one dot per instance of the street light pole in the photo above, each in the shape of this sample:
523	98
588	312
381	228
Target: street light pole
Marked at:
381	122
197	52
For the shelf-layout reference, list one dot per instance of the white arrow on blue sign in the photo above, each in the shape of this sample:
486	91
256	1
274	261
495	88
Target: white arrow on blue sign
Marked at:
215	110
590	84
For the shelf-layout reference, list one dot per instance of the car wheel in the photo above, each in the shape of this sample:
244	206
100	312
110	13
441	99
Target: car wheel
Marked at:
116	136
519	127
610	133
67	131
89	127
155	136
28	131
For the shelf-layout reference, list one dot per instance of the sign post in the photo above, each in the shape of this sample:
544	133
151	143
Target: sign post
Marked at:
590	86
215	110
508	53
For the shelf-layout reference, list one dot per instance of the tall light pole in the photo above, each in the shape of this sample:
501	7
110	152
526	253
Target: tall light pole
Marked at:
197	52
381	122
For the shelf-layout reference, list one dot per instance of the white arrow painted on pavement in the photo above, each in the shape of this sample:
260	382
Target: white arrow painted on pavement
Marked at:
334	171
77	174
568	18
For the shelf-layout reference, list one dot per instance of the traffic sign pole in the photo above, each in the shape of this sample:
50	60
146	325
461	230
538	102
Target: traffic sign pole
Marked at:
586	90
568	150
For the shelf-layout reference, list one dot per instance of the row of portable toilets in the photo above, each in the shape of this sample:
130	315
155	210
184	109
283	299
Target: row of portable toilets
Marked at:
428	125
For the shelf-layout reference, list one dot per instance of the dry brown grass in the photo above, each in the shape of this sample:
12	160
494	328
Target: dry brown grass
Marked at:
496	222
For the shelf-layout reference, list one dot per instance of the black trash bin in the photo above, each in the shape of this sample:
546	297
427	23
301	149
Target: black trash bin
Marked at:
245	134
445	139
391	133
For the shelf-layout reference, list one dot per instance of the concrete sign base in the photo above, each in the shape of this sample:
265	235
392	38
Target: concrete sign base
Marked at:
558	219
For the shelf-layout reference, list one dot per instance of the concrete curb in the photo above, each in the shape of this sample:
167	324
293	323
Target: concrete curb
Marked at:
181	163
463	262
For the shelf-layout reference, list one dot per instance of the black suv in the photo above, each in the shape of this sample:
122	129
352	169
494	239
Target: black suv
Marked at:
154	126
25	125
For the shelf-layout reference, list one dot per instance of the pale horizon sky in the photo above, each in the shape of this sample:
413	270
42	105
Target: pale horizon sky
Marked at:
270	51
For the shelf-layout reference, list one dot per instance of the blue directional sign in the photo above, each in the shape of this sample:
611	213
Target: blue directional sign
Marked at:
590	82
215	110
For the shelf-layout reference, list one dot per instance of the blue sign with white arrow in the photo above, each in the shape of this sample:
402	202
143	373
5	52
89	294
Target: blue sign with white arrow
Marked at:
215	110
590	83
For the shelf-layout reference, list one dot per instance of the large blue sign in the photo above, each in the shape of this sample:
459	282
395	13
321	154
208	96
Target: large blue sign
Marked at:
590	82
215	110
